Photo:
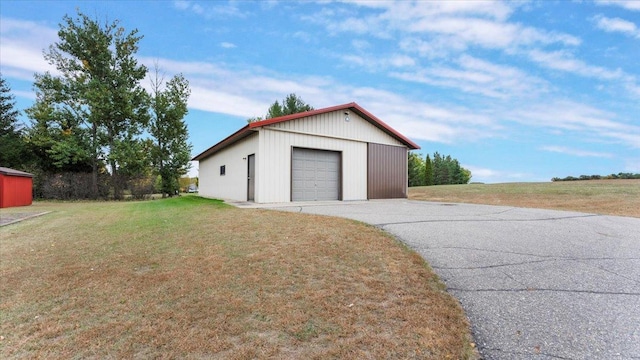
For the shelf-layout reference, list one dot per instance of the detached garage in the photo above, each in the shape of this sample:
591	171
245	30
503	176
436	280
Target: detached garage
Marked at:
15	188
337	153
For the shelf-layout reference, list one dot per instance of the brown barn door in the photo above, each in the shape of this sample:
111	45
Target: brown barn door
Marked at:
251	178
386	172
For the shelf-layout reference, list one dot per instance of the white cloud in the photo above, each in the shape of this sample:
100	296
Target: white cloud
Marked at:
485	175
379	62
626	4
617	25
478	76
565	61
434	28
213	10
583	120
575	152
21	47
227	45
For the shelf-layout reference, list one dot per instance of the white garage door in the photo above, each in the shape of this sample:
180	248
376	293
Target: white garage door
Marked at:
315	175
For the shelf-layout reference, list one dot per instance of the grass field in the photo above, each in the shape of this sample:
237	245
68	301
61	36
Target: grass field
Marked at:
608	197
193	278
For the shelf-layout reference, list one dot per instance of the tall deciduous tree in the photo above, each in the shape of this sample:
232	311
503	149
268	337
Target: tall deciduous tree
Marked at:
416	170
12	148
99	88
171	150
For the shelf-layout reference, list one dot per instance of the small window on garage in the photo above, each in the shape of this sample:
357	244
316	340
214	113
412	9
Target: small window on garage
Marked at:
223	170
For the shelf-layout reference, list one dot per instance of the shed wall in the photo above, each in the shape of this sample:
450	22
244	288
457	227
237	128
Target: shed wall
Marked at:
273	167
232	185
15	191
333	124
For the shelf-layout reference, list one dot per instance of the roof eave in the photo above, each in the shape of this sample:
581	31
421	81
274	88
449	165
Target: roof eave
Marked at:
236	136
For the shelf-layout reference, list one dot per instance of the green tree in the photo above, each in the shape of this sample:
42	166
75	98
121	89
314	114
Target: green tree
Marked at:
428	171
12	146
171	151
56	138
416	168
447	171
292	104
465	176
99	88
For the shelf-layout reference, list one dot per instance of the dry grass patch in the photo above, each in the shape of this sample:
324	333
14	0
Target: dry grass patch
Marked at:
193	278
607	197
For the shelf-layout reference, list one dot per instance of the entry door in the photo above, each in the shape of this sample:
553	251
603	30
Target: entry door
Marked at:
315	175
251	178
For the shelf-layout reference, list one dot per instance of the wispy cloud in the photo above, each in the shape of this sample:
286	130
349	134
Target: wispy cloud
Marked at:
482	174
436	28
580	119
473	75
617	25
210	9
575	152
227	45
21	46
565	61
626	4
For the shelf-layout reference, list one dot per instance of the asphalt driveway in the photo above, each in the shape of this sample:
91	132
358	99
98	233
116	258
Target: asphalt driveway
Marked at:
536	284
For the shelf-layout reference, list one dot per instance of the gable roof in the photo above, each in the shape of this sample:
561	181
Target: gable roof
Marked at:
13	172
251	127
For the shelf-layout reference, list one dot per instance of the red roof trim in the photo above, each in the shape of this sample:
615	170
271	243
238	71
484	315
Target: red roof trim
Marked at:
246	130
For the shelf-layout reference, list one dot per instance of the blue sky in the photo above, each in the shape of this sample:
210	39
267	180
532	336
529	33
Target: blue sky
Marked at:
516	91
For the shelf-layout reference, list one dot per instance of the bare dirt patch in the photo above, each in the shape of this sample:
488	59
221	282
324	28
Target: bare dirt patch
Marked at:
192	278
7	218
607	197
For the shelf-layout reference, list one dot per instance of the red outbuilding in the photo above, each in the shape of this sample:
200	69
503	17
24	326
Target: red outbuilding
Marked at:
16	188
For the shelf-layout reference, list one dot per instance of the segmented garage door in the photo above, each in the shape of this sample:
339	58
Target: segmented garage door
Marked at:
315	175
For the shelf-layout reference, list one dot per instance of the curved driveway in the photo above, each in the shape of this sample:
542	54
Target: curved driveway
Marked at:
536	284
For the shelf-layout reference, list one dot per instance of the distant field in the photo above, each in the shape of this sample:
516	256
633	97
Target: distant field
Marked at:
191	278
609	197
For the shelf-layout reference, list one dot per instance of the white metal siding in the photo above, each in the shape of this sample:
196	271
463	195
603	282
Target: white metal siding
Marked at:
233	185
273	164
315	175
333	124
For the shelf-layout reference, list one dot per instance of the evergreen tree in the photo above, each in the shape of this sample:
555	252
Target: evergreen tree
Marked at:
447	171
292	104
12	146
428	171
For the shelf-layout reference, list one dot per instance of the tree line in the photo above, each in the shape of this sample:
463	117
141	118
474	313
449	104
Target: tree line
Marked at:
598	177
94	130
442	170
